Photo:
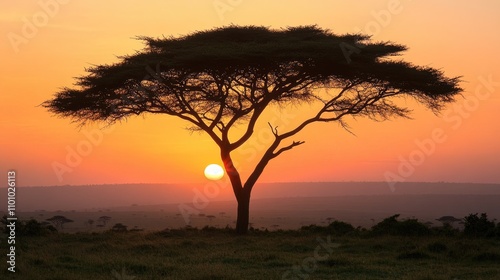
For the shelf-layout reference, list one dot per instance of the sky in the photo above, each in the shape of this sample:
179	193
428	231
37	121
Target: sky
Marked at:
47	43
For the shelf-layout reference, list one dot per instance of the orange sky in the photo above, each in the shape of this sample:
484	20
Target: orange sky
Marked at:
45	46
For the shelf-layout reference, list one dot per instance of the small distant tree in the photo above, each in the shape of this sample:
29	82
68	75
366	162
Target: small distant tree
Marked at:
210	217
222	81
450	220
104	220
119	227
59	221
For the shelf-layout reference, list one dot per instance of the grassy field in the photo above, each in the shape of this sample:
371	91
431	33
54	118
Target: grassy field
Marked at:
219	254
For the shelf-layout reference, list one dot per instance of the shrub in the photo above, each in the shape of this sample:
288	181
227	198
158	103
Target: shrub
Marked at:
340	228
387	226
392	226
313	228
29	228
119	227
336	227
476	226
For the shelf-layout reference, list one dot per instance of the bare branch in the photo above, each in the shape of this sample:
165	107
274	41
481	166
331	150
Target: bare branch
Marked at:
274	130
289	147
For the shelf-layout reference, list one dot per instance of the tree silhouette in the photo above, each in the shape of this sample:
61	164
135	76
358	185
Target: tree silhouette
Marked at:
119	227
448	220
223	80
210	217
59	221
104	220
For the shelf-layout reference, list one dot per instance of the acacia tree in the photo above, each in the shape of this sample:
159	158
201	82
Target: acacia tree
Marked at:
225	78
59	221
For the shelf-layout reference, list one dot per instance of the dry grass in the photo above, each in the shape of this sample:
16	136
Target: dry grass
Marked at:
219	254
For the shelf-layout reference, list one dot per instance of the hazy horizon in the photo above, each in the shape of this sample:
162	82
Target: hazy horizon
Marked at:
274	206
117	195
260	182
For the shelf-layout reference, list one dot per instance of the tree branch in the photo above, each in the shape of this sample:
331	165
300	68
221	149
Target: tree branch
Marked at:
274	130
289	147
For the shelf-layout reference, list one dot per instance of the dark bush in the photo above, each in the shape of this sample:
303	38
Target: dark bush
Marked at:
34	228
119	227
479	226
340	228
387	226
313	228
392	226
336	227
28	228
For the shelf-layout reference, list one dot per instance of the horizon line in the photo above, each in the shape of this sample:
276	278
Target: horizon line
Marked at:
276	182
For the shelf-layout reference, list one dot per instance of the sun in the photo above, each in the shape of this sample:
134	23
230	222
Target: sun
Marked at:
214	172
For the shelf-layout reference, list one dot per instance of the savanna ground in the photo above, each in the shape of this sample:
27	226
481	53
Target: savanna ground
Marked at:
314	253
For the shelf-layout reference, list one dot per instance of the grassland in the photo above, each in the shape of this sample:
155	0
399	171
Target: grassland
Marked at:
219	254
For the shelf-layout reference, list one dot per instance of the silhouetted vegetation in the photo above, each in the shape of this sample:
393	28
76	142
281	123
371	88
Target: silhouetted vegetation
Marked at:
29	227
103	220
217	253
119	227
448	220
475	226
336	227
409	227
59	221
480	226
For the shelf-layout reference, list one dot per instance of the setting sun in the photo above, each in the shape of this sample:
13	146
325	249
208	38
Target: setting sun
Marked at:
214	172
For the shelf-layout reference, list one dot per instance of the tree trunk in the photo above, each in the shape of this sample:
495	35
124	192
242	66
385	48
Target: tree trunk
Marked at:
241	192
243	212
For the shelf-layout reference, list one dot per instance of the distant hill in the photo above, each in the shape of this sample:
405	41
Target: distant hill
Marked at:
108	196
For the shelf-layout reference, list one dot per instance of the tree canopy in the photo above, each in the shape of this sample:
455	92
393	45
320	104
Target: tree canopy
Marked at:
208	68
